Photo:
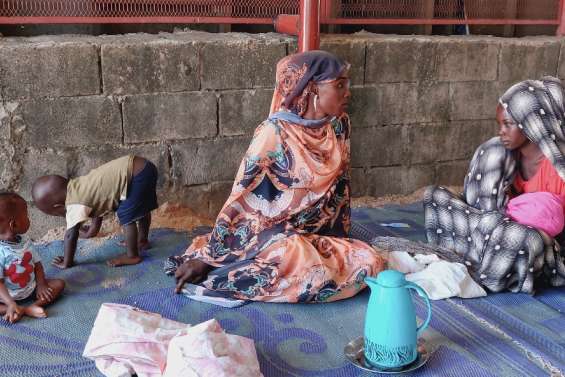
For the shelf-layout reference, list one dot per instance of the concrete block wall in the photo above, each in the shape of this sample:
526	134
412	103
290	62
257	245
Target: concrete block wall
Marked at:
190	101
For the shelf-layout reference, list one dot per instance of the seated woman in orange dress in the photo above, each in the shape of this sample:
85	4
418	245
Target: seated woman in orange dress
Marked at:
282	235
528	156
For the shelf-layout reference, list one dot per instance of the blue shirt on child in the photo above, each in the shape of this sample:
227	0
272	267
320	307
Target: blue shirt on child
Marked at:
17	266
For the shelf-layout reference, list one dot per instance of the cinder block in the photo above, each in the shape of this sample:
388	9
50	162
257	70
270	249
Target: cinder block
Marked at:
463	138
219	193
415	177
49	69
145	66
452	173
461	59
363	107
561	67
528	59
70	122
378	146
156	153
358	182
447	141
36	163
241	111
240	63
400	59
398	180
383	181
204	161
403	103
352	51
474	100
7	110
205	199
7	173
195	197
169	116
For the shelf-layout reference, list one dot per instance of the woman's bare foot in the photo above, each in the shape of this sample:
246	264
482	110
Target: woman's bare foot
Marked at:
192	271
123	260
35	311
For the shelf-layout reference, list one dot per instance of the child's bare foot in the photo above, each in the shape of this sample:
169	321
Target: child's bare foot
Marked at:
35	311
123	260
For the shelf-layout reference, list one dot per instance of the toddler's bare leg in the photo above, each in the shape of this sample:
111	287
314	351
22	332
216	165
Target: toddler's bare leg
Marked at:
132	256
36	309
143	226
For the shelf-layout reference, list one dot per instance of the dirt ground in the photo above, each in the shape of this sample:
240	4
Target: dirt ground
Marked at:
168	215
176	216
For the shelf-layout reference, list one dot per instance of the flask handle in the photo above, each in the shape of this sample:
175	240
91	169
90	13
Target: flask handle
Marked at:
423	294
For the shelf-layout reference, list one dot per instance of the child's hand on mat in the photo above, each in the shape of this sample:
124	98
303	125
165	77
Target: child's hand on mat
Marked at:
59	262
14	313
44	292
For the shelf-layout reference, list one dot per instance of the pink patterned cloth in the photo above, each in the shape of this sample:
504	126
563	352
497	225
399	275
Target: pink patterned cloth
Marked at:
541	210
125	340
207	351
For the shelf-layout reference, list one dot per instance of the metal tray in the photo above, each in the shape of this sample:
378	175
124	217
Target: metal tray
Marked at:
354	353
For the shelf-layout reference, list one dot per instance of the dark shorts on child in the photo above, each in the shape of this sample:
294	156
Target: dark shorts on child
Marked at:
29	299
141	197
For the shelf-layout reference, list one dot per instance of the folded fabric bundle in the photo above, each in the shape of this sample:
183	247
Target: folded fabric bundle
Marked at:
125	341
445	279
206	350
541	210
440	279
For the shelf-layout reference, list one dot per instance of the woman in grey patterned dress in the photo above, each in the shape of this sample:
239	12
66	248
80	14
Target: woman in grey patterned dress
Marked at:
502	253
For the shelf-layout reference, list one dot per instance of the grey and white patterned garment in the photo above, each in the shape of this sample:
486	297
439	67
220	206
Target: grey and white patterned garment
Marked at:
503	253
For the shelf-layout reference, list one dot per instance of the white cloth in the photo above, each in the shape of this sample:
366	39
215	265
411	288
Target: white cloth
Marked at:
440	279
444	279
125	340
76	214
404	262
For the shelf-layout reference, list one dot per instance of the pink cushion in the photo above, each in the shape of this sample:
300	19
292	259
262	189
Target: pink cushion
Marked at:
541	210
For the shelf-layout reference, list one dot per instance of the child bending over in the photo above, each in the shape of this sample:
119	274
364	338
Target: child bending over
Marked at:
126	185
21	272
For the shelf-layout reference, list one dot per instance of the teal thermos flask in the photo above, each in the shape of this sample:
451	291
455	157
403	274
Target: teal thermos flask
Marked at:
391	334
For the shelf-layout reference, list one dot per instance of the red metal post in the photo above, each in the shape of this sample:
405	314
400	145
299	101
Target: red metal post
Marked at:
561	15
309	25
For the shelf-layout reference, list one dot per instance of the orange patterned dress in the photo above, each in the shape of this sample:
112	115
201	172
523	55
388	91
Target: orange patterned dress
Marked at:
282	234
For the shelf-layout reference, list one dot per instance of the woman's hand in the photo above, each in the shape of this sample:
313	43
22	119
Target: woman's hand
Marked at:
192	271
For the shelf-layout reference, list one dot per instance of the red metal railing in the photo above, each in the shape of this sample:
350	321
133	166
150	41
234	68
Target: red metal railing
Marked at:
144	11
448	12
364	12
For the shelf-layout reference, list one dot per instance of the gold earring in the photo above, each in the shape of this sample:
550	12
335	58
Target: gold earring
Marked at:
315	102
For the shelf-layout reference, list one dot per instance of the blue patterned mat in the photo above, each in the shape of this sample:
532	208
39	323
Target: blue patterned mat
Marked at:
501	335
